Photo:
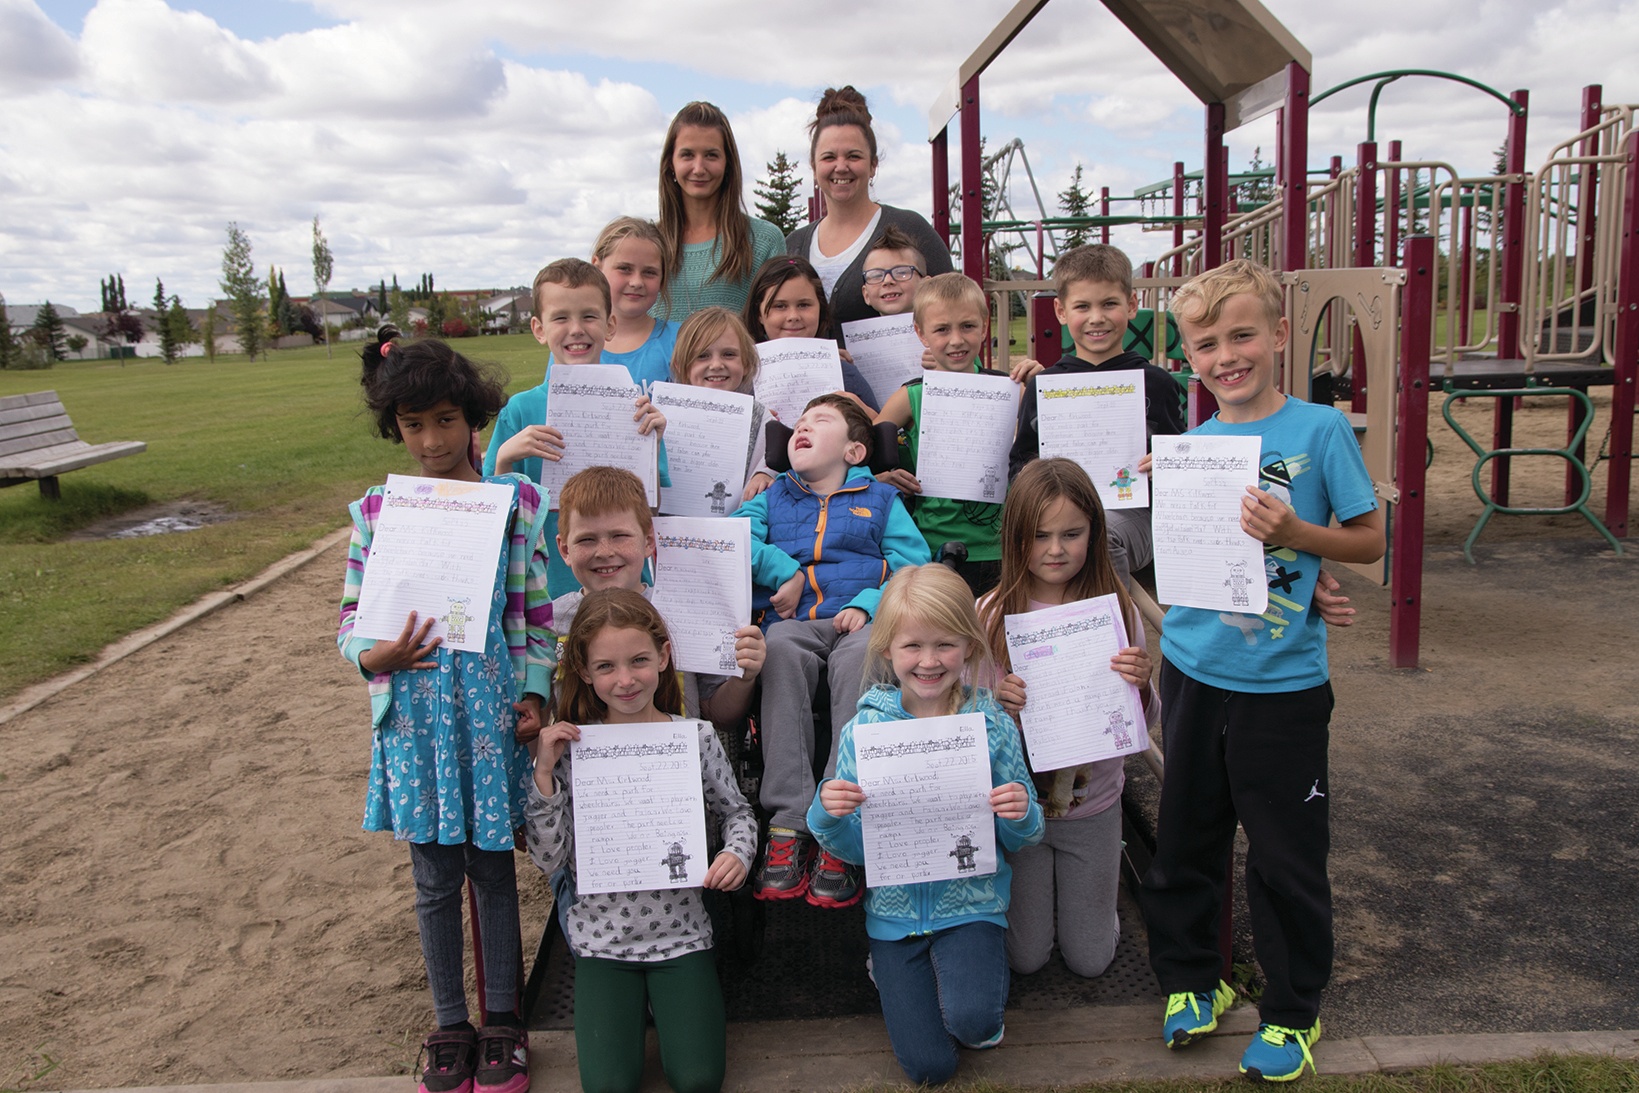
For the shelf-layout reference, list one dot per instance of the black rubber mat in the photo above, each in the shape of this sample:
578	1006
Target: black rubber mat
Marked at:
790	961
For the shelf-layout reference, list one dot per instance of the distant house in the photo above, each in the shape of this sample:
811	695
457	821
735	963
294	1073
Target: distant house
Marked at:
507	313
336	313
341	308
21	317
89	327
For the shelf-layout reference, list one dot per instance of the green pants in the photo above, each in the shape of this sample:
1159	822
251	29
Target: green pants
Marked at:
688	1018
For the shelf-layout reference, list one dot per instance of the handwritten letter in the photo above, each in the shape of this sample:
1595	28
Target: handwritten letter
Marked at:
702	588
1202	557
927	813
592	406
708	437
886	351
1077	710
966	430
791	371
640	810
1097	419
433	553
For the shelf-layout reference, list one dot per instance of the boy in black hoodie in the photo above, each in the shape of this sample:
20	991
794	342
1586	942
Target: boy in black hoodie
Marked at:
1096	302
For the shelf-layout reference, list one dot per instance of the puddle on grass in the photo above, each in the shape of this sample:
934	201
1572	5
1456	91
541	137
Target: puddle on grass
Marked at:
171	517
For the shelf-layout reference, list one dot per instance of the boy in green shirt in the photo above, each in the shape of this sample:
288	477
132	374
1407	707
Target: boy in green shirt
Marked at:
952	321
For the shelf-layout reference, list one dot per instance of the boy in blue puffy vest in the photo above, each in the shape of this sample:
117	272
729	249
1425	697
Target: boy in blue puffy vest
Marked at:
825	538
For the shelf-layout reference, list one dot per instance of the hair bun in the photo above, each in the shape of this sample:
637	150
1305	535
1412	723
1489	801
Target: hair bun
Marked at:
842	100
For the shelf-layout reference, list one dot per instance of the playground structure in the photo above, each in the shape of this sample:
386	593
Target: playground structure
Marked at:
1400	274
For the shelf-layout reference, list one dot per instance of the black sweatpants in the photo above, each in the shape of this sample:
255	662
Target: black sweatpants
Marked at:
1259	759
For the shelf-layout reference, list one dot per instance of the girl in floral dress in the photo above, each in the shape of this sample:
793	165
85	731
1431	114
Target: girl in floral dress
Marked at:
446	772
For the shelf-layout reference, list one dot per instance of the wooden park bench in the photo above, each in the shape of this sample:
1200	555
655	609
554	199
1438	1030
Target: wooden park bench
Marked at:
38	442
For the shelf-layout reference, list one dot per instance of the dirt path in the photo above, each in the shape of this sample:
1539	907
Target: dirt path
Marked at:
186	896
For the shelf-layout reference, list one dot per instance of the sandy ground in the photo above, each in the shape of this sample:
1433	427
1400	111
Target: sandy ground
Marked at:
186	896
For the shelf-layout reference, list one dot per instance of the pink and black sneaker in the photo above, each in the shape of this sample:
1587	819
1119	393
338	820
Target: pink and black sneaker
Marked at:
452	1056
503	1060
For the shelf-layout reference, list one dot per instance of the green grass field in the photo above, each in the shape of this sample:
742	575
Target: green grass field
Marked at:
283	442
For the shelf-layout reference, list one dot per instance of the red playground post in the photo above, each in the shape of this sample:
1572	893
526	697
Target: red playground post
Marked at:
1411	471
1620	477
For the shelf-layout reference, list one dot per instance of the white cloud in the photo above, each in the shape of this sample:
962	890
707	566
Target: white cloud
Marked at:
143	50
34	52
480	145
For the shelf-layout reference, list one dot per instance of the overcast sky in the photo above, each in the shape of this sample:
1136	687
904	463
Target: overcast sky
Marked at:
480	143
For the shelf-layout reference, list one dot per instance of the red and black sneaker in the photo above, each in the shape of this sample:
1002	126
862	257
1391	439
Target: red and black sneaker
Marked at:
782	872
833	882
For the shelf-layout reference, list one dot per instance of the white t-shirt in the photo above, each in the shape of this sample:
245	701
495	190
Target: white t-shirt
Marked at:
829	269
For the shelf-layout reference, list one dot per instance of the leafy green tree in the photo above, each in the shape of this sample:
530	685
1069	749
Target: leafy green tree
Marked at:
77	342
246	298
381	297
323	265
1076	202
398	308
438	312
778	199
49	331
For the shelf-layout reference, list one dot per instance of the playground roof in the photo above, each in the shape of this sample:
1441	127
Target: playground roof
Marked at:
1229	51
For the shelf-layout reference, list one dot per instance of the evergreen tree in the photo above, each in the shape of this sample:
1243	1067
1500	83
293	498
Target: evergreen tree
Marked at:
207	332
778	198
275	305
290	319
323	265
244	291
176	321
50	332
113	294
1075	202
8	343
168	347
381	297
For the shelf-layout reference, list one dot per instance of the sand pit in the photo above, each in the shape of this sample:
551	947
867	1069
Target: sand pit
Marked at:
186	896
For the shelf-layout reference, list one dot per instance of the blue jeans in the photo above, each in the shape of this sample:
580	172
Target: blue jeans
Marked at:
939	990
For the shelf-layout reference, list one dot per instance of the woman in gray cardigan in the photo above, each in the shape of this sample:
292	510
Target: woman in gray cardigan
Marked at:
842	151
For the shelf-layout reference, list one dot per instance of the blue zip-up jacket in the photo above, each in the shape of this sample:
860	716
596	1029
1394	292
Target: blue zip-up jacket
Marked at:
846	543
903	910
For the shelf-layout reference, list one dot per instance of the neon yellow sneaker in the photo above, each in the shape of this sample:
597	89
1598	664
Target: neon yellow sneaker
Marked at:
1279	1054
1193	1014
